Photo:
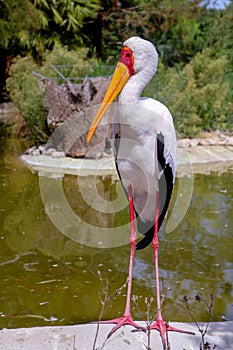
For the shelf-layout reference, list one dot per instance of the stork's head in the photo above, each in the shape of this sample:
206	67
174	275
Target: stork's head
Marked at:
137	56
144	54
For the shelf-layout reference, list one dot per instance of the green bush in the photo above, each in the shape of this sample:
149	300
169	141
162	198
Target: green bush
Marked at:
71	64
24	90
25	94
198	94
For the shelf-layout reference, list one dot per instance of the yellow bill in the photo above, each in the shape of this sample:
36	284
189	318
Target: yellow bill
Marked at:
119	79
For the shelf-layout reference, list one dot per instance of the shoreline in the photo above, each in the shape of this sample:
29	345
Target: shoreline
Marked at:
82	337
198	160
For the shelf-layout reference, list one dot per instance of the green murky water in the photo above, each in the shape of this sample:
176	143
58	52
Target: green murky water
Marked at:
48	279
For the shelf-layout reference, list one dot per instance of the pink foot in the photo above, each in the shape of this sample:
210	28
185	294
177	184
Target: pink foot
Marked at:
163	327
122	321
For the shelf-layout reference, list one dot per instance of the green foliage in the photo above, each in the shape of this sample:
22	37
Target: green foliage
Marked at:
68	14
24	89
175	27
198	94
71	64
62	21
24	93
13	29
37	25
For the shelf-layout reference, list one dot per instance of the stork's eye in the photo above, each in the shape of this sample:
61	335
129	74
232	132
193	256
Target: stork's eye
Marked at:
126	57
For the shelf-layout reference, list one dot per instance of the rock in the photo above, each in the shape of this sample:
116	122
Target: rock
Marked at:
183	143
193	142
222	136
49	151
30	150
71	110
230	141
42	148
212	141
35	152
203	142
58	154
221	142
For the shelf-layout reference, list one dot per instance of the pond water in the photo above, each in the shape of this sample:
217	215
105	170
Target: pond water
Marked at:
48	279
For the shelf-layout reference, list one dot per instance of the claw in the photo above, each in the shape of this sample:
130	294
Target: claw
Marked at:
163	327
121	321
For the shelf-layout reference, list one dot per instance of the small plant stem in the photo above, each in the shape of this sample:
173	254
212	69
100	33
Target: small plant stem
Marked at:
148	338
201	330
103	302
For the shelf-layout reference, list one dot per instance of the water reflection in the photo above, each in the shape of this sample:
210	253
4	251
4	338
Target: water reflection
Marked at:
47	278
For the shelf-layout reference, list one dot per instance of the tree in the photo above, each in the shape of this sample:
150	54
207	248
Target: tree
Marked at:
34	26
13	31
62	21
175	27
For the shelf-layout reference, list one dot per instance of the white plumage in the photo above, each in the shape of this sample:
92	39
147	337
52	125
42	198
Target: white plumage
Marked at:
138	122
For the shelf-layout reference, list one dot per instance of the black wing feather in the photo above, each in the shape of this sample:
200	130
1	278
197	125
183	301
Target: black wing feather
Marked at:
165	184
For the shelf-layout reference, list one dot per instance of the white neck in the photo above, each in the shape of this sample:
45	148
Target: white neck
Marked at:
132	90
134	87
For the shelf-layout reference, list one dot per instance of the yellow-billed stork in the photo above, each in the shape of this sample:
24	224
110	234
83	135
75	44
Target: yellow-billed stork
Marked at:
145	157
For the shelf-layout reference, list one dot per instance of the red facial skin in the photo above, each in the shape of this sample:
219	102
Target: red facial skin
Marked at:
126	57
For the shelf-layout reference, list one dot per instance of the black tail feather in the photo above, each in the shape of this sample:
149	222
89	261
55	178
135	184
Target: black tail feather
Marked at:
148	228
146	240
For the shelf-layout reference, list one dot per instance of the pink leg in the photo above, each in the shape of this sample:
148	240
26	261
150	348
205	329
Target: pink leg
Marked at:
159	323
126	319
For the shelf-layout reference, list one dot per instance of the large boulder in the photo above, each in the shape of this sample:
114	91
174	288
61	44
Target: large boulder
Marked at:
70	111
